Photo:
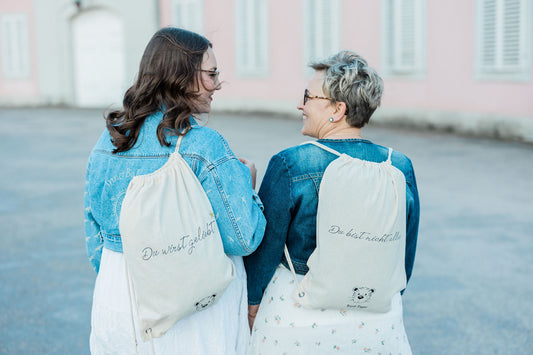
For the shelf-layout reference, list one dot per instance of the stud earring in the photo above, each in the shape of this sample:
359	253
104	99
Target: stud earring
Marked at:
331	119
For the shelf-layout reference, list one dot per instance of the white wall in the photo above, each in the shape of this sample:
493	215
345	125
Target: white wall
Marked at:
54	41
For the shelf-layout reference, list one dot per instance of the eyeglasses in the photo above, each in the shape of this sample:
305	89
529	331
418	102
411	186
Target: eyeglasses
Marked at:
213	74
308	97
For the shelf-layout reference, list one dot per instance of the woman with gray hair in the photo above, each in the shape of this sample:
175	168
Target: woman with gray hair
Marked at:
337	103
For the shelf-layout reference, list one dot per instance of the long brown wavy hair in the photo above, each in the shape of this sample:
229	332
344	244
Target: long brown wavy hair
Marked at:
167	80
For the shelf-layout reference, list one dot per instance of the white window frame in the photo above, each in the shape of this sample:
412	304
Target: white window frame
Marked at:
322	33
251	38
15	46
497	68
403	44
188	14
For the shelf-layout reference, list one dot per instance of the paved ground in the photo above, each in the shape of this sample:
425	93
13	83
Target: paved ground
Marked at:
471	291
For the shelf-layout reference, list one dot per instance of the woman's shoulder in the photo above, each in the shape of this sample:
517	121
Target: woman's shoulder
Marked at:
205	141
297	152
104	142
301	159
401	161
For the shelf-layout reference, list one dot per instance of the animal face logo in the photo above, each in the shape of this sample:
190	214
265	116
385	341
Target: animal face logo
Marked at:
360	296
205	302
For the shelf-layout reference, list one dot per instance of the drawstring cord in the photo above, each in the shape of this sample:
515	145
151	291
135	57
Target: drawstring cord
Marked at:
301	292
149	330
131	301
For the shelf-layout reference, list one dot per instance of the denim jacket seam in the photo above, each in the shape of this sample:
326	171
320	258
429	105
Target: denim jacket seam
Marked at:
208	166
300	268
306	176
111	237
132	156
290	181
228	150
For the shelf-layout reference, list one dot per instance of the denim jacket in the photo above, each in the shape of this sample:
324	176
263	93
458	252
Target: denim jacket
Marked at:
289	192
226	181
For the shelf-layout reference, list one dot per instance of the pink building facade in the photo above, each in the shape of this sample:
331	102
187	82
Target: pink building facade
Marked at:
459	65
19	75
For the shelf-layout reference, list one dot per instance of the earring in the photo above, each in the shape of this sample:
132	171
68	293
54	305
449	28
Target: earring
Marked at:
331	119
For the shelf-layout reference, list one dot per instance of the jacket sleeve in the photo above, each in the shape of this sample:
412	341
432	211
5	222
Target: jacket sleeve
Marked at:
237	207
275	193
93	237
413	218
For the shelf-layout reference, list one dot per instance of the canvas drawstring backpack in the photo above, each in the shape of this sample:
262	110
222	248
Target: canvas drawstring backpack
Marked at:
175	260
358	263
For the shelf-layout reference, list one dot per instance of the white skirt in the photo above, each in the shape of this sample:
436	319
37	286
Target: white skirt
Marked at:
283	326
220	329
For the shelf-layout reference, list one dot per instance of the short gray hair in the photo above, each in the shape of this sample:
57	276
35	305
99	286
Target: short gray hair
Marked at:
349	79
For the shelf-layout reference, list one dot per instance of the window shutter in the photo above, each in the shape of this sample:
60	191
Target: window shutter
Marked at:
251	29
406	46
390	29
15	46
489	38
503	48
511	35
321	28
403	36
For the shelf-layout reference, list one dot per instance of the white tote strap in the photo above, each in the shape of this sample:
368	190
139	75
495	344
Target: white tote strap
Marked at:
301	292
339	154
178	144
390	156
128	280
132	301
333	151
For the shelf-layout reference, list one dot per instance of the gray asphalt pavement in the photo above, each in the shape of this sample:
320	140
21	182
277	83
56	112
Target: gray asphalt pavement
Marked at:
472	286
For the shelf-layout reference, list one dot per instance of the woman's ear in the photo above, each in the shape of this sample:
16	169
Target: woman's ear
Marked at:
339	111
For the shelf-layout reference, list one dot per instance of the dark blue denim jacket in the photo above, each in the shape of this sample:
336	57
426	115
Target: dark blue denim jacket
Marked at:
289	192
225	179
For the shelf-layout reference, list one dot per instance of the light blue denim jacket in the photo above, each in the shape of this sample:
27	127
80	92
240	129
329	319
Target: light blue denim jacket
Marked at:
226	181
289	192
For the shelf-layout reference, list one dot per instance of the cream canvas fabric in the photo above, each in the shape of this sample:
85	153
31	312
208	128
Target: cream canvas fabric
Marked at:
361	224
173	251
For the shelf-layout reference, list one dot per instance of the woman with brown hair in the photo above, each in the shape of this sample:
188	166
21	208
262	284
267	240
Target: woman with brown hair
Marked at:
177	78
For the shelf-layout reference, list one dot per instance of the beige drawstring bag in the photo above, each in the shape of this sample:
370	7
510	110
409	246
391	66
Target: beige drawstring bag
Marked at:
175	260
358	263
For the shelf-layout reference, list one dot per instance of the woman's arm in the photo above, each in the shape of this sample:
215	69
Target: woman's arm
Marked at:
93	238
275	193
413	217
237	207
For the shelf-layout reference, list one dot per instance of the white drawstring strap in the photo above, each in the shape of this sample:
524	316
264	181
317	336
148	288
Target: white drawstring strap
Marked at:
128	280
389	158
132	301
301	292
331	150
149	332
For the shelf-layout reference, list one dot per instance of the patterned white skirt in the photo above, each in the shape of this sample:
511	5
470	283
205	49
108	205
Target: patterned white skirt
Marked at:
283	326
220	329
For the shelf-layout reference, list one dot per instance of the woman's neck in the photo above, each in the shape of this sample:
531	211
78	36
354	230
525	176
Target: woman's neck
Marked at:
343	133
